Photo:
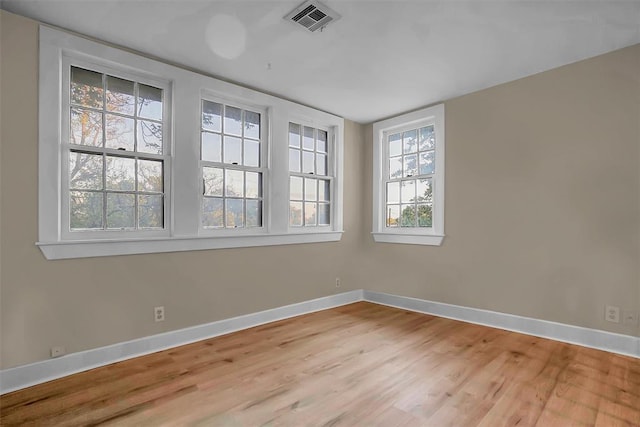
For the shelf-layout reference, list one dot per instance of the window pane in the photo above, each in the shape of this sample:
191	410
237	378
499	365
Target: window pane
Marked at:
85	171
150	176
393	215
235	213
294	135
119	132
120	97
251	125
321	143
310	189
410	141
121	210
427	162
424	190
294	160
395	145
149	102
232	150
321	164
212	212
86	88
254	213
211	147
393	192
86	128
254	185
234	185
395	167
121	173
408	218
410	165
150	211
427	139
213	181
310	214
408	191
232	121
323	214
149	137
211	116
307	162
323	190
425	218
251	153
295	213
307	139
295	188
85	210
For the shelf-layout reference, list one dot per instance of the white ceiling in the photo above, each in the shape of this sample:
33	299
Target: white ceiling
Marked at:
382	58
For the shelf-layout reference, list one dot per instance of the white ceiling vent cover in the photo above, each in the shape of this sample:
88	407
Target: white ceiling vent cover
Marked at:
312	15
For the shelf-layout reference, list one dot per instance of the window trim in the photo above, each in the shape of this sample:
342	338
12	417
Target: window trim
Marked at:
408	235
183	230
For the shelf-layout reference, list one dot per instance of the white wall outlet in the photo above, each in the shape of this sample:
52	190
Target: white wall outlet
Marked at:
630	317
612	314
57	351
337	282
158	313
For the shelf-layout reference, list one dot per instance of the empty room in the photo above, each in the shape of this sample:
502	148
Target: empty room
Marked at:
319	213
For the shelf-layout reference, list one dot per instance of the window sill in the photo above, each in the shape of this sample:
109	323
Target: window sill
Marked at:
409	239
98	248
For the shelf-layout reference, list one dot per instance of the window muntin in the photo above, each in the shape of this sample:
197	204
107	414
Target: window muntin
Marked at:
232	172
309	177
409	182
115	157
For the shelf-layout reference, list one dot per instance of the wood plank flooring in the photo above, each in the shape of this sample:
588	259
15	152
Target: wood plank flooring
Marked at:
358	365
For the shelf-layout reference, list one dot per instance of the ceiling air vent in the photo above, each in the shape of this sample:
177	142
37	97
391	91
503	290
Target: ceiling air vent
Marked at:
312	15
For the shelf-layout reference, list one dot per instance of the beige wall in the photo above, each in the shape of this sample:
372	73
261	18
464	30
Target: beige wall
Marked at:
542	199
87	303
542	220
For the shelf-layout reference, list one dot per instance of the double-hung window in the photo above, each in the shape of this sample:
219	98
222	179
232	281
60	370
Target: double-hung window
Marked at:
409	178
310	176
113	155
232	166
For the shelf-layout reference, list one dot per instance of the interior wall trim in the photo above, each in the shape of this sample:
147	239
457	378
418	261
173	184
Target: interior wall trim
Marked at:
626	345
24	376
20	377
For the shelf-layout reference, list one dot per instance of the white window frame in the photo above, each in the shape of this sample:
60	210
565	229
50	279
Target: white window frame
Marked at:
183	196
332	168
381	130
104	68
264	166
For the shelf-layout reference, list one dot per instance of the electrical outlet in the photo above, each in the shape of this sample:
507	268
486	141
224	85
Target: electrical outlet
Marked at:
337	282
158	314
612	314
57	351
630	317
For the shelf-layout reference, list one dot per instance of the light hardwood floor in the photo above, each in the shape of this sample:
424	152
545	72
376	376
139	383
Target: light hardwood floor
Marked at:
358	365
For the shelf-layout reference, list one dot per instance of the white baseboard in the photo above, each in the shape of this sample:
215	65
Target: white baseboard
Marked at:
39	372
35	373
608	341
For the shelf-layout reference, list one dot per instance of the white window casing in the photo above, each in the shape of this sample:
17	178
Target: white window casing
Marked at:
417	235
183	94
